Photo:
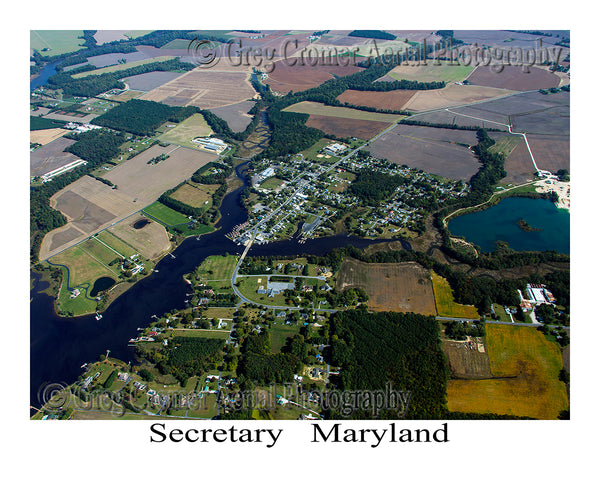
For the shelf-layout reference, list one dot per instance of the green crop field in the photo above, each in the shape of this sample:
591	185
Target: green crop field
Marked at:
506	144
431	72
527	366
116	243
165	215
56	41
444	300
315	108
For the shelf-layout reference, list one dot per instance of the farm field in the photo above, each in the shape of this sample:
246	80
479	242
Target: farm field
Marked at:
121	66
446	72
70	116
236	115
394	100
529	365
184	132
150	80
107	36
57	41
164	214
204	89
456	116
314	108
514	78
100	61
551	121
346	127
90	205
453	95
151	239
439	151
444	300
397	287
195	195
51	156
46	136
285	78
467	361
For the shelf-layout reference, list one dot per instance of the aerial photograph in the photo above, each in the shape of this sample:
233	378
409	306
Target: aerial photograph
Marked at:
319	225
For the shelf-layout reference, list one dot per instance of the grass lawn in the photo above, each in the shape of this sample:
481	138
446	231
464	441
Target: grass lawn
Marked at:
249	285
165	215
217	267
271	183
219	312
444	300
279	334
530	365
57	41
315	108
198	333
192	127
122	66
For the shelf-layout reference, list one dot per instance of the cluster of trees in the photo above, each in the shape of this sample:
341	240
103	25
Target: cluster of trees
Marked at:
379	34
219	177
96	146
142	117
460	330
92	85
189	356
290	134
450	126
374	187
402	349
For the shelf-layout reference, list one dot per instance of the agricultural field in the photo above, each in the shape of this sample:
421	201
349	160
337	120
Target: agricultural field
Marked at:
285	78
453	95
458	117
467	361
56	42
514	78
394	100
397	287
346	127
46	136
438	151
90	205
314	108
51	156
444	300
107	36
526	365
184	132
551	152
122	66
164	214
446	72
205	89
236	115
199	196
147	237
150	80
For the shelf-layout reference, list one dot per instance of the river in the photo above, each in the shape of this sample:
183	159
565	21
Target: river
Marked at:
59	346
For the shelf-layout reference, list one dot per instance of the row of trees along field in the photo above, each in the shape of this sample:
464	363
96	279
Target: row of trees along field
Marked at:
92	85
408	355
95	146
142	117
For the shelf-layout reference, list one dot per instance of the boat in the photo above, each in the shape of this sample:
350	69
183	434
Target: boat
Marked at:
98	316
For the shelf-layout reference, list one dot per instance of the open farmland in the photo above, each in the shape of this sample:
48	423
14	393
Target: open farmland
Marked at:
150	238
285	78
446	72
453	95
514	78
435	150
107	36
526	366
204	89
394	100
397	287
90	205
197	196
164	214
122	66
455	116
56	41
236	115
51	156
551	121
467	360
444	300
150	80
551	152
346	127
184	132
46	136
314	108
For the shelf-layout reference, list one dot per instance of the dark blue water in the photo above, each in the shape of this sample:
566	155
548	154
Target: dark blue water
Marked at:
499	222
42	78
59	346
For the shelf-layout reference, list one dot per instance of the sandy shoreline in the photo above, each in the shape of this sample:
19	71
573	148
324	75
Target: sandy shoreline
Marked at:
562	189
